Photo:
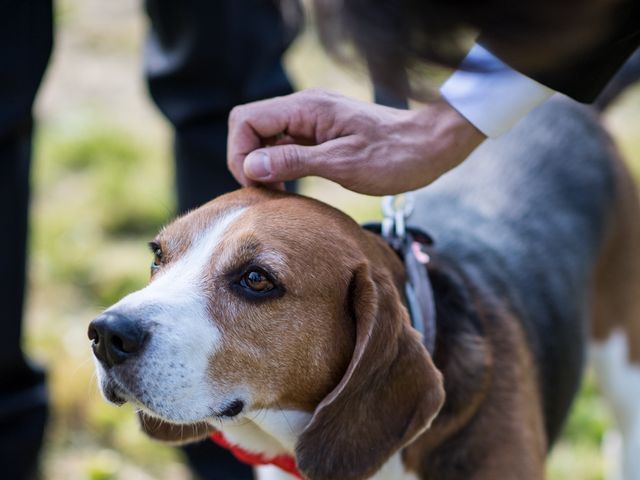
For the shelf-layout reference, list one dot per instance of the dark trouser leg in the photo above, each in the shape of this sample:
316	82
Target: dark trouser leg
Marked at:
25	45
202	58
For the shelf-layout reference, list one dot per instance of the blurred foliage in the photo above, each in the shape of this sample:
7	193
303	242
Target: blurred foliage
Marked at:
578	454
590	417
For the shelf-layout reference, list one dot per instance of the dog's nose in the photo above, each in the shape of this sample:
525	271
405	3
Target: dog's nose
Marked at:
115	338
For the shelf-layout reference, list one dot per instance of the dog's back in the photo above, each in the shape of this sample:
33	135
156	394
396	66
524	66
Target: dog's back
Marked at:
547	221
524	217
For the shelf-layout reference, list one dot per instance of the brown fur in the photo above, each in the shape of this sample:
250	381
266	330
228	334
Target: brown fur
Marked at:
492	426
616	302
389	394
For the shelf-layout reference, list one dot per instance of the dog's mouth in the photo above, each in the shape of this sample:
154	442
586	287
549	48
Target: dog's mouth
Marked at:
114	392
114	395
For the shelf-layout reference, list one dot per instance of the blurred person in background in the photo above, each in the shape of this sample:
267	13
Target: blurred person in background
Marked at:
525	52
201	58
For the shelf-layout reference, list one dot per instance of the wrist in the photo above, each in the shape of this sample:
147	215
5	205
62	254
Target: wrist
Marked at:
446	137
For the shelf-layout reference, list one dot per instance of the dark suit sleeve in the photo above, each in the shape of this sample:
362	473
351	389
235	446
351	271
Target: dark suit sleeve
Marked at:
585	77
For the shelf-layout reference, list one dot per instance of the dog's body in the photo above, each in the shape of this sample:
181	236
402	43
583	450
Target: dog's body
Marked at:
523	221
279	321
543	226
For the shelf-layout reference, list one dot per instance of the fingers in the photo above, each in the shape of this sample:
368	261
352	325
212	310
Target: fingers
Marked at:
247	132
336	160
282	163
285	120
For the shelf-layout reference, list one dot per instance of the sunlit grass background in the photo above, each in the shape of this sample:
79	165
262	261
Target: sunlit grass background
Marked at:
102	187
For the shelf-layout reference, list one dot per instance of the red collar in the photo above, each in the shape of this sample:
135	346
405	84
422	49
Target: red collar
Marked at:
284	462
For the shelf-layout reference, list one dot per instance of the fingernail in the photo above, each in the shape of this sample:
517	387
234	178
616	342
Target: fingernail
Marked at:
257	165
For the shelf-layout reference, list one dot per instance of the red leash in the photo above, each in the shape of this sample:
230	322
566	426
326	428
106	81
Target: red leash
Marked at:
284	462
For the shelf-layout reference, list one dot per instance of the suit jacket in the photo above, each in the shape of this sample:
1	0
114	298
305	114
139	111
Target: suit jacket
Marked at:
587	75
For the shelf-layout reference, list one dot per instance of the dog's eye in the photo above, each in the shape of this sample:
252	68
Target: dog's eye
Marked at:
156	249
257	281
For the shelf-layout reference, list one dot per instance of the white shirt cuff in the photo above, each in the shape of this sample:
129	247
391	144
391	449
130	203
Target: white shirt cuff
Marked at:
490	94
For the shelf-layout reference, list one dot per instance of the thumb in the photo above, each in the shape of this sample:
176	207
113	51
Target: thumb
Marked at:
280	163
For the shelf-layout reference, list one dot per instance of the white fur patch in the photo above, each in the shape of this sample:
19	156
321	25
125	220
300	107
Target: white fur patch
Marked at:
269	472
394	470
268	431
284	425
170	379
620	383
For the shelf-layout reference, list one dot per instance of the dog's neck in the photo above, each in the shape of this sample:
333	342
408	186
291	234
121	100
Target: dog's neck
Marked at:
270	432
275	432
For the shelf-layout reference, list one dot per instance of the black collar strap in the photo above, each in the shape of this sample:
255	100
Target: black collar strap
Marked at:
418	291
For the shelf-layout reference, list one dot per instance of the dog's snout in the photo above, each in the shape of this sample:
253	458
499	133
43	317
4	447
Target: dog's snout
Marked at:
115	338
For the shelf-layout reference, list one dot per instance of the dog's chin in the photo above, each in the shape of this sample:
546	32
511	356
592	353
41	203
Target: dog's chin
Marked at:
173	433
116	393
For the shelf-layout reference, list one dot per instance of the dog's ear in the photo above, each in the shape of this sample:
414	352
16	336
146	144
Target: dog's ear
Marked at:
389	394
171	433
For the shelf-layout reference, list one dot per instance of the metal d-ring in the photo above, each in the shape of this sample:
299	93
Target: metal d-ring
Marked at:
396	209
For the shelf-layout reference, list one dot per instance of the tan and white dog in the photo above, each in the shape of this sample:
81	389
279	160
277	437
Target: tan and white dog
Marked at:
279	321
245	330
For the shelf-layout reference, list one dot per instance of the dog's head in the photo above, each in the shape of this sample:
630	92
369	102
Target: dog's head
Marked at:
263	300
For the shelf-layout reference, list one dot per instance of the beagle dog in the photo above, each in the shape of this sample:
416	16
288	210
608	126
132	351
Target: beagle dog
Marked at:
281	323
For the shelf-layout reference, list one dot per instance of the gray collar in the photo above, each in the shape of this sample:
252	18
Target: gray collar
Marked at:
418	291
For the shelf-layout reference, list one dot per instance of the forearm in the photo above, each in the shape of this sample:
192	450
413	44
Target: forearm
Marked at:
445	138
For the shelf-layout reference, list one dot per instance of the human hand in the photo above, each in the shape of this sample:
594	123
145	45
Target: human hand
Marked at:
364	147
